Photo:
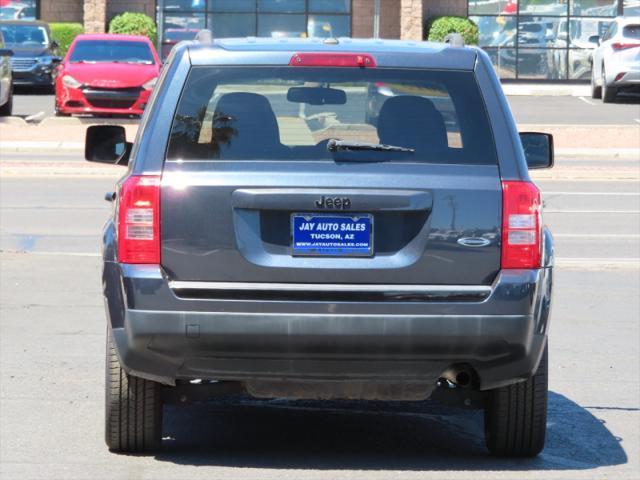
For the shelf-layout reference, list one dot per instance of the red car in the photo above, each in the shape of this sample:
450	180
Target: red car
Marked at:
107	74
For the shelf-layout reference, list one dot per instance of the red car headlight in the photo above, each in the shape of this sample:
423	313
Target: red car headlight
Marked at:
150	84
69	81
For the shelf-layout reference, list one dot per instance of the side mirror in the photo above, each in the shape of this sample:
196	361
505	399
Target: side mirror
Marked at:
55	44
5	52
538	149
107	144
594	39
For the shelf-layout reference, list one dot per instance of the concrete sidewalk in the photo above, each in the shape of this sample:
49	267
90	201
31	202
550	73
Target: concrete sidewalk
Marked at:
67	135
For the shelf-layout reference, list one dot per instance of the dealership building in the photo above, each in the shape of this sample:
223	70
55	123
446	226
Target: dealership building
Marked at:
526	39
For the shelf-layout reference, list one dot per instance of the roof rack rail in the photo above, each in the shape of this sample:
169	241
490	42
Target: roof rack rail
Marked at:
204	36
454	40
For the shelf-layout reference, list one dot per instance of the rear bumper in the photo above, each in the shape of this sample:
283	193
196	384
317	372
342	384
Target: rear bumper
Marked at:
165	338
36	78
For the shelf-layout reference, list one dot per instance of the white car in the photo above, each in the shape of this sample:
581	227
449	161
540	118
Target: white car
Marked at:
616	61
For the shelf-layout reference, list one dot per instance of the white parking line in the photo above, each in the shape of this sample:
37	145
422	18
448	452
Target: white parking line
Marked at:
632	212
587	101
597	263
608	236
629	194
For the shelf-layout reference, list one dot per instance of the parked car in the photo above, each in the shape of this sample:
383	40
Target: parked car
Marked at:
18	11
6	79
312	255
34	52
616	61
107	74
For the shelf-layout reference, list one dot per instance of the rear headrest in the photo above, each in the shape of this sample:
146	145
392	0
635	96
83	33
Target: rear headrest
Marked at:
412	121
244	125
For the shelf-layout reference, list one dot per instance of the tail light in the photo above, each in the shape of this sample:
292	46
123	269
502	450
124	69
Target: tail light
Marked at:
624	46
521	225
139	220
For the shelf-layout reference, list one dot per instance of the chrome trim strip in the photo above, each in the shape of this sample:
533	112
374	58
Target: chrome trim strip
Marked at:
335	287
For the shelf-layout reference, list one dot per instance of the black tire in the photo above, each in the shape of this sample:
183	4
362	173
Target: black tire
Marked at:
515	417
596	91
7	109
608	93
133	408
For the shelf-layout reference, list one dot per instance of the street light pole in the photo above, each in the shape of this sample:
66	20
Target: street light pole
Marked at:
376	19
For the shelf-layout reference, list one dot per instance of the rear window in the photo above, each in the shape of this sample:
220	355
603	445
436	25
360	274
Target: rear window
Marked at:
292	113
93	51
631	31
25	35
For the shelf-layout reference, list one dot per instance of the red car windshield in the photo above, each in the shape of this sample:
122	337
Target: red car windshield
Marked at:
119	51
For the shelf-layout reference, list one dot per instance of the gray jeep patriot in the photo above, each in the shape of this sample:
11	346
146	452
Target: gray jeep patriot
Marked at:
327	219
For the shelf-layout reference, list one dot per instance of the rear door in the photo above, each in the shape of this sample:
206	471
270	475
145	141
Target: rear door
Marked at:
254	188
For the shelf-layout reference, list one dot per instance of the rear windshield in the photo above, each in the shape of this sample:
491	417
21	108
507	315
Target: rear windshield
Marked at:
91	51
631	31
25	35
293	113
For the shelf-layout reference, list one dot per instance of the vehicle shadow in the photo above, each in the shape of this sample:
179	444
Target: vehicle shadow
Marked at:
632	98
29	90
377	436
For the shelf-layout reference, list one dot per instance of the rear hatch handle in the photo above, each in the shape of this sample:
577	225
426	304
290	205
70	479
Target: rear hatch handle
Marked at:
303	199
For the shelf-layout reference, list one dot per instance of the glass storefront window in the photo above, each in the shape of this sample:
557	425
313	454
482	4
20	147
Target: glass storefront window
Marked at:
537	31
632	8
580	29
496	31
594	8
504	61
281	6
185	21
184	5
232	5
544	39
263	18
329	26
18	10
278	26
224	25
330	6
544	7
533	63
493	7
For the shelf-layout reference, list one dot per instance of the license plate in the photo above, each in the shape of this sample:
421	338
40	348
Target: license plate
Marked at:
332	235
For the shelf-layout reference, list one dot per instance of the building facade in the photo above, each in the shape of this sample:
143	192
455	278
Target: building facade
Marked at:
526	39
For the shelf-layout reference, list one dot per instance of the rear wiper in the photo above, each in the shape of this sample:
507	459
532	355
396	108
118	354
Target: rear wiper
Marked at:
334	145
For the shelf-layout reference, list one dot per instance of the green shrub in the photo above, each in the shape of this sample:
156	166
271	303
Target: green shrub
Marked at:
64	33
440	27
134	24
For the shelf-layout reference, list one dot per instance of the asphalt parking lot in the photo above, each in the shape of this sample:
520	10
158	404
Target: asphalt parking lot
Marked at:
52	345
